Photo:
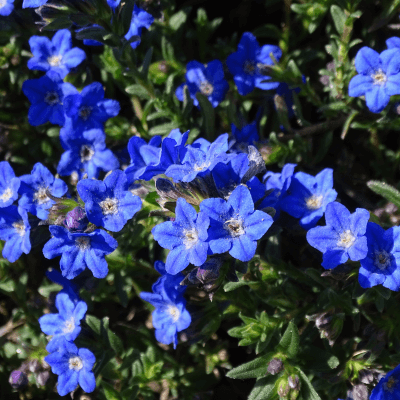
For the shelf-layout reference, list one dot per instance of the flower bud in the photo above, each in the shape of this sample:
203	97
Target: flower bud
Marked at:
34	365
18	379
42	378
76	220
275	366
360	392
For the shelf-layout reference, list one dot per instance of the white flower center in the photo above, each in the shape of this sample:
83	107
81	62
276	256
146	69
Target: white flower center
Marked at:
382	259
69	325
109	206
7	194
51	98
390	385
379	78
346	239
206	88
249	67
201	167
87	153
191	238
82	242
75	363
314	202
19	226
2	3
174	312
54	61
234	227
84	112
40	196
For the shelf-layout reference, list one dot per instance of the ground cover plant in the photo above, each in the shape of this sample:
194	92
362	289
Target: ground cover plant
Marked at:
199	202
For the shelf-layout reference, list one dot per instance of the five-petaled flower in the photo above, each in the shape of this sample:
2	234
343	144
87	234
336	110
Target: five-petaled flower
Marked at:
9	185
388	388
378	77
343	237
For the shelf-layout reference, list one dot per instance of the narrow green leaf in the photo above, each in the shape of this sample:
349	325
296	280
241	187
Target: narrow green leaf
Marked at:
339	18
163	128
110	392
146	62
115	342
290	340
256	368
138	90
263	389
307	389
208	113
388	192
177	20
94	323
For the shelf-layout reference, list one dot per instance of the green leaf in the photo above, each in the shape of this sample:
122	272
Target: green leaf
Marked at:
254	369
208	113
59	23
93	323
177	20
110	392
290	341
115	342
263	389
388	192
339	18
163	128
146	62
307	389
126	14
138	90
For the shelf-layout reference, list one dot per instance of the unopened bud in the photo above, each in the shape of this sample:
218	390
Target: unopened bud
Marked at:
283	389
76	220
360	392
42	378
294	382
34	365
18	379
366	376
275	366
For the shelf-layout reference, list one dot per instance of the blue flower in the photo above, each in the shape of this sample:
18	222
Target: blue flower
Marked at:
140	19
91	42
244	137
34	189
86	152
378	77
286	92
55	54
308	196
393	43
33	3
142	155
70	288
109	203
206	80
79	251
234	225
381	266
343	237
6	7
46	95
170	315
113	3
15	230
185	237
65	324
89	109
247	64
73	366
388	388
9	185
197	161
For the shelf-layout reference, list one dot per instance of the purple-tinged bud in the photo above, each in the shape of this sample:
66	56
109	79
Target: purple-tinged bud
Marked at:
76	220
34	365
294	382
275	366
42	378
207	273
18	379
366	376
360	392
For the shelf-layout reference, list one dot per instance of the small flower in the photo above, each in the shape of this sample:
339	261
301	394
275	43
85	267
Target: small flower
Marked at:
244	137
34	188
55	54
109	203
18	379
381	266
140	19
234	225
388	388
308	196
378	77
15	230
86	152
6	7
9	185
46	95
65	324
248	62
89	109
205	80
73	366
343	237
79	251
170	315
185	237
33	3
